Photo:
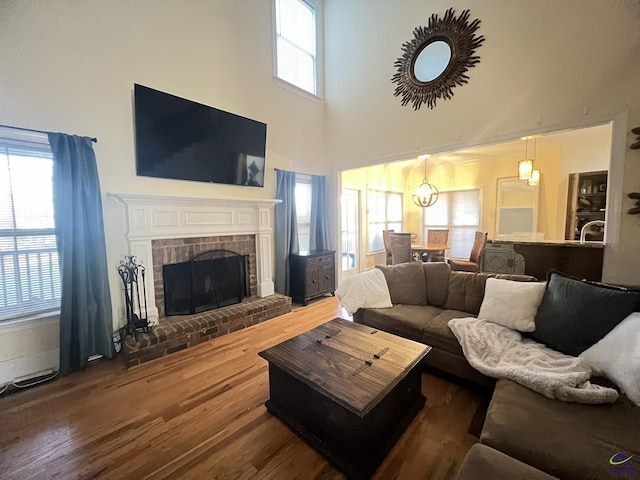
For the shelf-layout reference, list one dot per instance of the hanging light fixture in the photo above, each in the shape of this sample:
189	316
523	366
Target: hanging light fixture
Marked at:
525	167
535	174
426	194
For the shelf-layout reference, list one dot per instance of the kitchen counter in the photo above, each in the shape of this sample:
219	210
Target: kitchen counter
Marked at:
555	243
578	260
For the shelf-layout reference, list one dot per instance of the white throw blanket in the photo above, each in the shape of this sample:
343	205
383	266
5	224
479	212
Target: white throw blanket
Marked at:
364	290
500	352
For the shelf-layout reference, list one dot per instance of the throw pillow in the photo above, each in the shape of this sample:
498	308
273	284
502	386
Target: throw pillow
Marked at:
407	284
511	304
575	314
617	356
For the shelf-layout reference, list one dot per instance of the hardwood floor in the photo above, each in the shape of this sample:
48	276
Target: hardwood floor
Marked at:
199	413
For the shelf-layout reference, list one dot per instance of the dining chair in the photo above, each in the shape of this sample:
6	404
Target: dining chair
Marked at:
400	248
387	245
437	235
473	264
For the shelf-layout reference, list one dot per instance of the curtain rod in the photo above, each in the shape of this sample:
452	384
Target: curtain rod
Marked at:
93	139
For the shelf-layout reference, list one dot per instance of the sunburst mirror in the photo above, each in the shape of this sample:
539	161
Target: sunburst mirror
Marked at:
437	59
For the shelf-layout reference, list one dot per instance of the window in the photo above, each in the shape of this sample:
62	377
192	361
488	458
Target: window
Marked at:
296	44
350	204
29	271
303	211
459	211
384	213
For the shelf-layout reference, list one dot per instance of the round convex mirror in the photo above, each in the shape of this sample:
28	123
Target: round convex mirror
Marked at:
432	61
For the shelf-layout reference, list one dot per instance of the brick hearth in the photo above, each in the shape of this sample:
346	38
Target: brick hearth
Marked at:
182	331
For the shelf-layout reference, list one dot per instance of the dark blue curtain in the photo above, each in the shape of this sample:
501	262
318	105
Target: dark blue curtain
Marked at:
86	324
318	232
286	228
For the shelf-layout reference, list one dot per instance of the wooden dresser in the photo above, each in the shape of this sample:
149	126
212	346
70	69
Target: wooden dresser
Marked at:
312	274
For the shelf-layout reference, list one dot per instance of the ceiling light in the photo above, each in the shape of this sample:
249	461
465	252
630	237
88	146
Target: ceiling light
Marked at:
535	178
426	194
525	167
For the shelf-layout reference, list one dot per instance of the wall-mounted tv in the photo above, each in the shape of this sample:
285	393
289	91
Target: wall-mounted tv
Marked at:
180	139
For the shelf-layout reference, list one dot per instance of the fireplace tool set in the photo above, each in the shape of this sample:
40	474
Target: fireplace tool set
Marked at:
132	273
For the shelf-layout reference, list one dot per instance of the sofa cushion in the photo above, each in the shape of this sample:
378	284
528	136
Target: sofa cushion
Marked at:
438	334
511	304
485	463
407	321
436	275
466	291
406	283
575	314
568	440
617	356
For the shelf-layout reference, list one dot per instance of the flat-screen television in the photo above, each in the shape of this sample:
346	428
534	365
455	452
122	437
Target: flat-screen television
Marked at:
180	139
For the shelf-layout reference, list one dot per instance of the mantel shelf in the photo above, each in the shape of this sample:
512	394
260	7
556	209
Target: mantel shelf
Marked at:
150	199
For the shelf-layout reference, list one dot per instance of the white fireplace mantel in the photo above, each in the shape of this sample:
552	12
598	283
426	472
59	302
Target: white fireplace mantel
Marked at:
152	217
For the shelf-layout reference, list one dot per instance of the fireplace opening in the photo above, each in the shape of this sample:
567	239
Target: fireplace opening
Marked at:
210	280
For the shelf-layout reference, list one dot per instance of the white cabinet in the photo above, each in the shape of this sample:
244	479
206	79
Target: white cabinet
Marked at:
501	258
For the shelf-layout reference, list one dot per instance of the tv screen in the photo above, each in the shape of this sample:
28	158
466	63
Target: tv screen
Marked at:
180	139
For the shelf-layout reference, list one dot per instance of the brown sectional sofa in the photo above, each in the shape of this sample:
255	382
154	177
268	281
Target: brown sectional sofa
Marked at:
425	297
525	435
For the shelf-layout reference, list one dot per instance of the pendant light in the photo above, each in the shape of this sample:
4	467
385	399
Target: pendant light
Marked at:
525	167
535	174
426	194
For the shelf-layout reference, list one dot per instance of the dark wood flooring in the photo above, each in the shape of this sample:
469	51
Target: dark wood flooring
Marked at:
199	413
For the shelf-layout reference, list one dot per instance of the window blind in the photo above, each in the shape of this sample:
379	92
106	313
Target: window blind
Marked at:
459	211
29	267
384	212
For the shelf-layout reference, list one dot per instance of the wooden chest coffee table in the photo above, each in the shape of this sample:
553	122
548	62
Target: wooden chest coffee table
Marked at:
348	389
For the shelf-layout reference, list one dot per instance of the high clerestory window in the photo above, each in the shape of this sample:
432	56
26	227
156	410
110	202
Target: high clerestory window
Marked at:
29	270
296	44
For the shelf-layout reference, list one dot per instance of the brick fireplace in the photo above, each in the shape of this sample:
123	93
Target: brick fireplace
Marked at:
163	229
183	249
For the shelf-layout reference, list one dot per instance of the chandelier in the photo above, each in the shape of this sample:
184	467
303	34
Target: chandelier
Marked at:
426	194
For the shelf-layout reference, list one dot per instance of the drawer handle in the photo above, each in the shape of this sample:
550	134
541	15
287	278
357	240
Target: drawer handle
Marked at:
313	281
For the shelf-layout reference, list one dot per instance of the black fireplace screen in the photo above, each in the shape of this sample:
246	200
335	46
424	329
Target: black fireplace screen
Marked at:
209	280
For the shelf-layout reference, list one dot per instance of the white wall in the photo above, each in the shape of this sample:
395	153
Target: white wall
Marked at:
577	157
29	347
544	66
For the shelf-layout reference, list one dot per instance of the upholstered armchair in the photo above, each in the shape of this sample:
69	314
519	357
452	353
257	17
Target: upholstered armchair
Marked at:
473	264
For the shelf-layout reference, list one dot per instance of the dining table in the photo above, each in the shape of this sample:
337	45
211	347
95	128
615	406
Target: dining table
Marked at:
428	248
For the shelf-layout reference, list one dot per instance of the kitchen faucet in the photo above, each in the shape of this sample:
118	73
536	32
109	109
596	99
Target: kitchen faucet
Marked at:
583	230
